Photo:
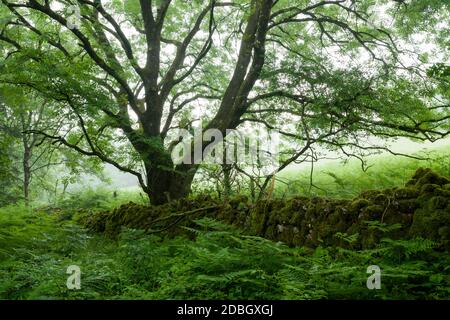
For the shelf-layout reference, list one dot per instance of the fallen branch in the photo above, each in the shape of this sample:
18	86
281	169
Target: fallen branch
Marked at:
180	217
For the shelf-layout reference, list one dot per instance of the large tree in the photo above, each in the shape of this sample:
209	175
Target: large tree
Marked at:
324	73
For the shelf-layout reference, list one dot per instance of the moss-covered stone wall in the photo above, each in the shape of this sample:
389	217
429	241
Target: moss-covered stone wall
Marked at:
421	207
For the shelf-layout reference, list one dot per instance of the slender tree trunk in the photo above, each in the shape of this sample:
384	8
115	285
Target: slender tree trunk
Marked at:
26	172
226	180
252	189
27	154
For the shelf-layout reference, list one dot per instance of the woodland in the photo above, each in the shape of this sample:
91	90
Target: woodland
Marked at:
104	103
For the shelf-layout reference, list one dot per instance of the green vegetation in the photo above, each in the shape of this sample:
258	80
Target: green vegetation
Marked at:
420	208
208	109
220	263
208	259
121	82
347	179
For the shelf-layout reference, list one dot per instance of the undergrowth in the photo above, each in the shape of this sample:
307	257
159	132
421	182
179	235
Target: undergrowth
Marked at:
219	263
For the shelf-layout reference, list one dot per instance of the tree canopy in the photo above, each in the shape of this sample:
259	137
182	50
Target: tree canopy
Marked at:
125	75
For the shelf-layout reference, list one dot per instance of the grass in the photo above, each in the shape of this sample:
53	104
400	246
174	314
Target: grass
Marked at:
347	180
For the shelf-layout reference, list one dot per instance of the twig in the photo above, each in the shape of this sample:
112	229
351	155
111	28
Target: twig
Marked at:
180	216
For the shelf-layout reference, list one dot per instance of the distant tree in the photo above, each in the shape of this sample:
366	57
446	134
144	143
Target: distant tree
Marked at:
27	156
19	115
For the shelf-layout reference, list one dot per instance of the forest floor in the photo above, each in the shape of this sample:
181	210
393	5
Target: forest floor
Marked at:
211	259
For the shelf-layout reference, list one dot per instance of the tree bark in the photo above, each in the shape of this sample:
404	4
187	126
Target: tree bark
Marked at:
226	168
26	171
164	185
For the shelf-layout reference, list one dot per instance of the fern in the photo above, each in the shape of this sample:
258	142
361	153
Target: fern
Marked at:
405	249
218	263
383	227
347	238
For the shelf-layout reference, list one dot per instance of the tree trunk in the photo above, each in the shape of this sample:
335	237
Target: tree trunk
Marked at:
165	184
26	173
226	168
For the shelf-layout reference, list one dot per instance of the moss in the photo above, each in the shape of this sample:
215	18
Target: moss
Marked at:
406	205
431	223
404	219
428	188
297	217
373	212
438	202
381	199
424	176
357	205
370	194
270	232
285	234
258	218
285	215
239	202
406	193
432	178
370	239
422	208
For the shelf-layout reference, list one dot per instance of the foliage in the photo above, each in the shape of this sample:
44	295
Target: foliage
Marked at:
9	189
96	199
329	76
218	263
339	79
419	208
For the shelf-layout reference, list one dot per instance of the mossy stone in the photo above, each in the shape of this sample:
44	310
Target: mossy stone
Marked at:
406	193
372	212
422	207
357	205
